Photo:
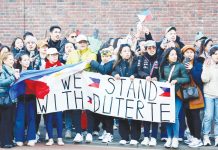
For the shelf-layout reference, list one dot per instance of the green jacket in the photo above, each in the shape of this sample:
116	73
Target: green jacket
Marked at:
180	74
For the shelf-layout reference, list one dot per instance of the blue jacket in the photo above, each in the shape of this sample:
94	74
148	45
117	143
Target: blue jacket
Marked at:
103	69
124	70
6	79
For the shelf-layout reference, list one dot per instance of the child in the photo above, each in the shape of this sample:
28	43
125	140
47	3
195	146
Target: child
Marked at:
104	68
125	66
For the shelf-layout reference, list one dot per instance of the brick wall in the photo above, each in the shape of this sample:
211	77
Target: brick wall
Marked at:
112	17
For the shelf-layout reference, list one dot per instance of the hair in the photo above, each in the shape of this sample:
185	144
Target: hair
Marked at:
115	42
18	65
13	43
5	46
4	56
119	58
54	27
69	32
204	44
27	34
106	44
165	56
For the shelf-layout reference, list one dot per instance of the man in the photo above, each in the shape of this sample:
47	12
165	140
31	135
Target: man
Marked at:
55	34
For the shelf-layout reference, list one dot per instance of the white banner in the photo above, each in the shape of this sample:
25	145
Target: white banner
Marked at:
138	99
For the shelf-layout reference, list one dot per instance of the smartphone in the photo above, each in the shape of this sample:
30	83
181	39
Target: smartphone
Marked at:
165	40
186	60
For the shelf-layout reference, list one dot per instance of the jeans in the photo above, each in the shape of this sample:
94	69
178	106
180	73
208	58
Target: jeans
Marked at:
25	110
173	128
68	119
49	123
211	111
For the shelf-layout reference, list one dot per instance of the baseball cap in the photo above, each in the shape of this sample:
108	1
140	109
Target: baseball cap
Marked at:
51	51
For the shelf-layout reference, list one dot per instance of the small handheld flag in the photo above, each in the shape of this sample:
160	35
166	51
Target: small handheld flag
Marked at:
145	16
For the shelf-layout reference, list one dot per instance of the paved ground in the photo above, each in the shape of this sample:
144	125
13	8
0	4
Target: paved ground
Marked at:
97	145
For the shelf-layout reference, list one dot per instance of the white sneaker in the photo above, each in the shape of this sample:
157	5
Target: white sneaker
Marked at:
133	142
153	142
60	142
78	138
175	143
168	143
31	143
107	138
207	140
195	143
216	141
19	143
123	142
189	139
88	138
102	136
68	134
50	142
145	142
95	133
180	139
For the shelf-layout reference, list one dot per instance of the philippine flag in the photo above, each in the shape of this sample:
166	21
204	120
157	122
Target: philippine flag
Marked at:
145	15
35	81
95	82
166	92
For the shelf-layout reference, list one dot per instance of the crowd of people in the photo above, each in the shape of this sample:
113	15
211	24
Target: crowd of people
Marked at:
136	55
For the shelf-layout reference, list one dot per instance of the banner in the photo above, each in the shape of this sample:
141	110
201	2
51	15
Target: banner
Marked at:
138	99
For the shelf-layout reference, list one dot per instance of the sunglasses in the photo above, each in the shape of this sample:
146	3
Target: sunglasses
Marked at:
73	36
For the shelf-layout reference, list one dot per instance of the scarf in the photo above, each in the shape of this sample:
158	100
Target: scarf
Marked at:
49	65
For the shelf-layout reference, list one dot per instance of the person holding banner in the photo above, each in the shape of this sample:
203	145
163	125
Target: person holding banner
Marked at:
83	53
25	107
7	76
52	61
148	69
125	66
173	72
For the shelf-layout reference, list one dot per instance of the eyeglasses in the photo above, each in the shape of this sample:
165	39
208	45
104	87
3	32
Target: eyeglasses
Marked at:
73	36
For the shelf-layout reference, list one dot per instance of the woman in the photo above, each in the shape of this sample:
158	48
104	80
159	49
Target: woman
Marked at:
125	66
205	47
7	76
17	45
210	81
179	76
193	106
148	69
26	110
52	61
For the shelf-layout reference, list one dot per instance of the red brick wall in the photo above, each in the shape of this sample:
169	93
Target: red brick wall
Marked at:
111	17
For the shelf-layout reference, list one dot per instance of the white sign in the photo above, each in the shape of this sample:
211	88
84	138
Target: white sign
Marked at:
138	99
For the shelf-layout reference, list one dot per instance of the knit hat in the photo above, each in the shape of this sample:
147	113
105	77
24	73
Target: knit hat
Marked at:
213	49
187	47
169	29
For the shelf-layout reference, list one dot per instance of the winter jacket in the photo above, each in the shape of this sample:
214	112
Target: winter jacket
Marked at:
210	79
180	74
52	44
81	56
6	79
145	65
124	70
103	69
